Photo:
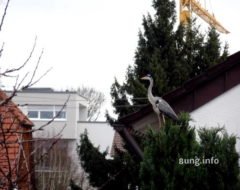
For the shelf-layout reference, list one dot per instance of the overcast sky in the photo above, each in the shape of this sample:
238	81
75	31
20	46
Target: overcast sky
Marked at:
87	42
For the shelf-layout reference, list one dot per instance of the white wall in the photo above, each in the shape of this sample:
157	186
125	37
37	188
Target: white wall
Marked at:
100	133
73	113
221	111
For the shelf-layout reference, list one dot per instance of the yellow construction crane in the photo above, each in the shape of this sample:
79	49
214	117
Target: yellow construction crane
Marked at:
189	6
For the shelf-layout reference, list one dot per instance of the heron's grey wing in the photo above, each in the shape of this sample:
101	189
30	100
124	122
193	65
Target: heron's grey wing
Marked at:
164	107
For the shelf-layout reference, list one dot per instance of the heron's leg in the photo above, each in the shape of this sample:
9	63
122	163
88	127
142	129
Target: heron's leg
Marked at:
159	121
163	119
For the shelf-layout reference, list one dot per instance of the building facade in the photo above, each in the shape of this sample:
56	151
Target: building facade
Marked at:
44	104
69	111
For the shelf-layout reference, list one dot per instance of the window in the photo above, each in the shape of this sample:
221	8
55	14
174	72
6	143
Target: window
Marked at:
60	114
47	112
33	114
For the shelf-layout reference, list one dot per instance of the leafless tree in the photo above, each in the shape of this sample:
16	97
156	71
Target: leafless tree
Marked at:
18	156
95	100
58	168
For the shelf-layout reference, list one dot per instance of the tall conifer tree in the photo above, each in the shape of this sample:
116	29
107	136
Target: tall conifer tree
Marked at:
171	56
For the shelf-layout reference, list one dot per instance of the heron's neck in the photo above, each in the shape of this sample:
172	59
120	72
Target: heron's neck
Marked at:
150	95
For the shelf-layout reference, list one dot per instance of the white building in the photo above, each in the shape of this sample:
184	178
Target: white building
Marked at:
222	111
69	111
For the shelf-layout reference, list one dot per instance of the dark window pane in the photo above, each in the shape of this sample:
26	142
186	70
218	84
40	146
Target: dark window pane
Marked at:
60	115
33	114
46	114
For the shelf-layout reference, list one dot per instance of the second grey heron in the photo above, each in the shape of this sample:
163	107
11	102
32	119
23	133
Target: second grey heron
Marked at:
159	105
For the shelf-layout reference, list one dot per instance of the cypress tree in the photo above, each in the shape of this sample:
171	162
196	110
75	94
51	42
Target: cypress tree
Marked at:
119	173
175	159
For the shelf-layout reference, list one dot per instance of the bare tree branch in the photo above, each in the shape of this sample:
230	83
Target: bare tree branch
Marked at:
95	101
4	15
16	167
7	72
1	50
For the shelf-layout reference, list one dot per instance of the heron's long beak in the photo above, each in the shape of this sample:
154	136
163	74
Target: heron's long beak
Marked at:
144	78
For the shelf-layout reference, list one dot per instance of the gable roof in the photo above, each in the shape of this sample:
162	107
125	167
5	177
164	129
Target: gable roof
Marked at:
13	108
199	90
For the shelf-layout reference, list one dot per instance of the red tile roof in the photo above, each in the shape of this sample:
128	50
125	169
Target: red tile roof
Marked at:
118	144
16	144
14	109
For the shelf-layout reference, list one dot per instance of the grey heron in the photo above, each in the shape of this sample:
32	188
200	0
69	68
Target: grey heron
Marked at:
159	105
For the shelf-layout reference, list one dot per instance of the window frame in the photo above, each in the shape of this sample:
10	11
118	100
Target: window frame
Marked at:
54	109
